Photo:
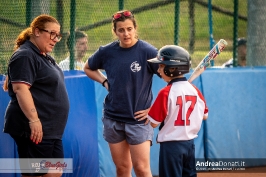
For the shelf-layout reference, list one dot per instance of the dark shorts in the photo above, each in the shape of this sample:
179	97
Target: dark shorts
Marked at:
48	148
115	132
177	158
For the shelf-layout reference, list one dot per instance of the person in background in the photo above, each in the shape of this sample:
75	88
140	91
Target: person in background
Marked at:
81	47
179	109
241	54
37	113
128	81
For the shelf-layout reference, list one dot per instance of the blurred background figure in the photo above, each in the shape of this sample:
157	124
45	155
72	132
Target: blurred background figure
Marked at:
241	54
81	47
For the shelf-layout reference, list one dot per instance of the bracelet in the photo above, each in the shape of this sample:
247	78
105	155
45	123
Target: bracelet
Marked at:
34	121
104	82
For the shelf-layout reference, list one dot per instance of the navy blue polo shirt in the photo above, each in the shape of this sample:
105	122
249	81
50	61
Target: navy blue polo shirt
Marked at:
27	65
129	76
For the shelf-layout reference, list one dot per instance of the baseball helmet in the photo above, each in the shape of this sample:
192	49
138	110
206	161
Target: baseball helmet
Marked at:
173	57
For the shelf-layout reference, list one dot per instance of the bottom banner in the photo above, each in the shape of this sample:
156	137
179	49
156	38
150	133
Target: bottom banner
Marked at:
36	165
235	165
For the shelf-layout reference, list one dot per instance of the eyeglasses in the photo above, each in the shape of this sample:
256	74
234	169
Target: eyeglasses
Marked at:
53	35
120	14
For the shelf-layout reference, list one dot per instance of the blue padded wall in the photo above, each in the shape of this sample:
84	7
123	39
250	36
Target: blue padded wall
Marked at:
236	125
80	136
235	128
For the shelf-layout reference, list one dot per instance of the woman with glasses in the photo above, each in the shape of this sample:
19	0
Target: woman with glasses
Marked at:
37	113
128	80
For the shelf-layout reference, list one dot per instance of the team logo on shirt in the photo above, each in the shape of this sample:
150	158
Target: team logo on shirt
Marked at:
135	66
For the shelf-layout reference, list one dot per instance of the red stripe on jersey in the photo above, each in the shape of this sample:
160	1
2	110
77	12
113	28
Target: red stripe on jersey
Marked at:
21	82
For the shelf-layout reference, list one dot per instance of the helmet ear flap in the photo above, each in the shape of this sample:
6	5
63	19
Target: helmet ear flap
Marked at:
167	71
178	70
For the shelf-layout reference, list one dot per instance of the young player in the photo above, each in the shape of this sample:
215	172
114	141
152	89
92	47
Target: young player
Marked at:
179	109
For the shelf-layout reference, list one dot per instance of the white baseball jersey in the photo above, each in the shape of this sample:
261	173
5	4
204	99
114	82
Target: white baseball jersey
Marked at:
180	108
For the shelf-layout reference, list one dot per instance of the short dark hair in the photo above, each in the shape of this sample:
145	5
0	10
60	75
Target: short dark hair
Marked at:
241	41
78	35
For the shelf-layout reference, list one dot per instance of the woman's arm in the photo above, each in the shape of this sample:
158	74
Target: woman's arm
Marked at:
27	106
96	75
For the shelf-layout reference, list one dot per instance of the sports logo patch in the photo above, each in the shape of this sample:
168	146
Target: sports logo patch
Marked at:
135	67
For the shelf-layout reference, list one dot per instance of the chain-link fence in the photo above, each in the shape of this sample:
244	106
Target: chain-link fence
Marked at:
160	22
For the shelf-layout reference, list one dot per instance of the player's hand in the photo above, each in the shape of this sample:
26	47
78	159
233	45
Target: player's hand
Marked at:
142	115
36	132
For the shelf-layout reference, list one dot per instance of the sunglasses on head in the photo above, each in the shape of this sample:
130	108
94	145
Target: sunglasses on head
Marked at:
120	14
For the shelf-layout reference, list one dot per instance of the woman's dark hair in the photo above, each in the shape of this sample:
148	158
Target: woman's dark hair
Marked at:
122	19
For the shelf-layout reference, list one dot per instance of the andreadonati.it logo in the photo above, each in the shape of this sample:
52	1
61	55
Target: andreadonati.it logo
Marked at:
221	164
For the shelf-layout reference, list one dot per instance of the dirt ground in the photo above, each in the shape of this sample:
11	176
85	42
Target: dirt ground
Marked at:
248	172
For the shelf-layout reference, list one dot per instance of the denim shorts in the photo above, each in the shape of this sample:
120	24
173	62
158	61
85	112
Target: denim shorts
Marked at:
115	132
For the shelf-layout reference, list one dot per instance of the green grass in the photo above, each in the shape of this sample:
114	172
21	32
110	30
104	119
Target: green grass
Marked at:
154	25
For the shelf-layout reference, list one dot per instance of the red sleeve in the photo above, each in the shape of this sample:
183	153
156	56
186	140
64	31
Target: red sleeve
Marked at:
159	109
206	110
